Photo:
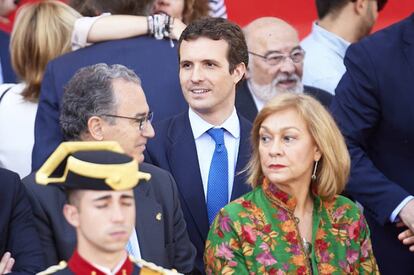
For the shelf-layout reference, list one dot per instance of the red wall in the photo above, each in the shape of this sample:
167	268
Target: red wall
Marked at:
301	13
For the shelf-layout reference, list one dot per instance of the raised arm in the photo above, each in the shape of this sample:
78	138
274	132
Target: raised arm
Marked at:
111	27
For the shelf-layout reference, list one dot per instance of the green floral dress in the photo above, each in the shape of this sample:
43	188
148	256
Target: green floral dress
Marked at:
258	234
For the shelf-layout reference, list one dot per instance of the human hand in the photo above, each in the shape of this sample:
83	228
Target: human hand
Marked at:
177	28
407	215
6	263
407	238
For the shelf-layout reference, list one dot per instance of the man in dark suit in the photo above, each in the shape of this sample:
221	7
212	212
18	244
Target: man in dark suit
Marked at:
213	58
155	61
6	70
276	66
101	103
18	235
373	106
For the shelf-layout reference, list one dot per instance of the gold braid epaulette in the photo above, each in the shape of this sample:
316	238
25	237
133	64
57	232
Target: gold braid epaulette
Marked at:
54	268
148	268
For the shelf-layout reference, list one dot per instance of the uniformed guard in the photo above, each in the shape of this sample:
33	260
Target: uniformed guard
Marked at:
98	179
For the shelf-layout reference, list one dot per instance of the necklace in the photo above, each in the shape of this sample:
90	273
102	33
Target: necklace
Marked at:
306	245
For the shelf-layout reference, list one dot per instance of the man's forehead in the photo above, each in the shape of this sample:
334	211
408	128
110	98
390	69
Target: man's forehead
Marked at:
188	47
102	194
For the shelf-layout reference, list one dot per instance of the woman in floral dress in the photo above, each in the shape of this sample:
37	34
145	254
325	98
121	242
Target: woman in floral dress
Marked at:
294	221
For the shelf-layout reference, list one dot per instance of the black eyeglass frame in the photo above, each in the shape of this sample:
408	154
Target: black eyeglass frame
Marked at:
140	120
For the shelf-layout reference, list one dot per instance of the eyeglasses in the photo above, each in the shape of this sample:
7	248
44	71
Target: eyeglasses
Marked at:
141	121
275	58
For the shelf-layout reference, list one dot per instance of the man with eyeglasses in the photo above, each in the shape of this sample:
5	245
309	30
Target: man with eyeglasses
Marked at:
340	23
276	66
107	103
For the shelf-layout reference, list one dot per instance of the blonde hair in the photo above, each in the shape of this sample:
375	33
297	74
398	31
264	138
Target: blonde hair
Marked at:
42	31
333	169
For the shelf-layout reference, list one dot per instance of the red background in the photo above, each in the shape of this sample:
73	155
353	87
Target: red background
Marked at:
299	13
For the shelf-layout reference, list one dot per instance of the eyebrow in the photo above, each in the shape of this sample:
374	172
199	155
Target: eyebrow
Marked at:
282	129
108	197
127	197
103	198
275	51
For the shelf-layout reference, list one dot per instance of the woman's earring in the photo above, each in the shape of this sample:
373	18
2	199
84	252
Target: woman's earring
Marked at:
313	177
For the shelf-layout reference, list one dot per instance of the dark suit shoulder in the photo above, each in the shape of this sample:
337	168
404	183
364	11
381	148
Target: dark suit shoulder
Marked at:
161	182
322	96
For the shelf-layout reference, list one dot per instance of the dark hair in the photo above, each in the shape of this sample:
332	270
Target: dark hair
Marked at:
96	7
324	7
90	93
219	29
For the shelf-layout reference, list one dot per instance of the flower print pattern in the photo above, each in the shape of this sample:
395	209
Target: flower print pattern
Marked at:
257	234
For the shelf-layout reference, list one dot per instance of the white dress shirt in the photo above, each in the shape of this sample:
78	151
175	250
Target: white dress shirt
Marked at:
324	61
206	145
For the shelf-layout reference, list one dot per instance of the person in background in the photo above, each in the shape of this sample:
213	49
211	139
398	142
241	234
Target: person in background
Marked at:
340	23
99	181
185	10
294	221
373	108
150	56
41	33
276	66
20	249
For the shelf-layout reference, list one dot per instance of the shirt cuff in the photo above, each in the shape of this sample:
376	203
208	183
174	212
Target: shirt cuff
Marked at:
394	215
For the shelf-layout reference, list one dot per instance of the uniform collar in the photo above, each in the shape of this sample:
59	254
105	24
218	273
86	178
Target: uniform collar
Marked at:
79	265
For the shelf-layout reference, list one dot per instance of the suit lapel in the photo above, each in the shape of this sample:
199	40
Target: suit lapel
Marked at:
183	160
244	102
149	226
240	187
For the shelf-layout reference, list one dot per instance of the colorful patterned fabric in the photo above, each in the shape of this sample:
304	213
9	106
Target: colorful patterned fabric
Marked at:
258	234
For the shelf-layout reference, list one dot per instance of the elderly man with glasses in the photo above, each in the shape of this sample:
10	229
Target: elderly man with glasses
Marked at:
276	66
107	103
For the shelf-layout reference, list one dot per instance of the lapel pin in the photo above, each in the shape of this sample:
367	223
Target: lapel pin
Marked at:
158	216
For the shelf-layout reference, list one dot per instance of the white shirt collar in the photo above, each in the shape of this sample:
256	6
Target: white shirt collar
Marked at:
339	44
199	126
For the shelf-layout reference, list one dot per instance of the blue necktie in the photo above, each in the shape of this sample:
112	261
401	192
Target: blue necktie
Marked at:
218	176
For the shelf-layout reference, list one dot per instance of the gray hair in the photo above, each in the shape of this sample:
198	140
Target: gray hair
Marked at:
90	93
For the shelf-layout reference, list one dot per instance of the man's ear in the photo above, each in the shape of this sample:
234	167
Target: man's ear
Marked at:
239	72
360	6
71	214
95	128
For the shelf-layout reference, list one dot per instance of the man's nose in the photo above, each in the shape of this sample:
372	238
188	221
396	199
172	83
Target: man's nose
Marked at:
148	130
287	65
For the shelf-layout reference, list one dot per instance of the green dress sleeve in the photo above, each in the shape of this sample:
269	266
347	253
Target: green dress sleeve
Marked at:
224	252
